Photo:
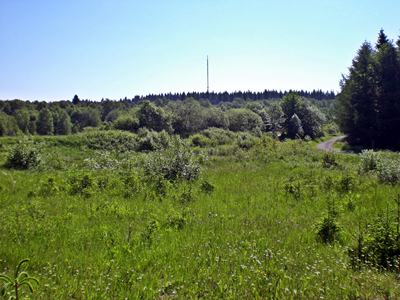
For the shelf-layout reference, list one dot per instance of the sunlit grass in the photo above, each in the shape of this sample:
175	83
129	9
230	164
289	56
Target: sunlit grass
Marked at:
250	238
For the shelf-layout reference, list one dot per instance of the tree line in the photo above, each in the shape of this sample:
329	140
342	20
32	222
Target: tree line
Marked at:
292	116
369	101
216	98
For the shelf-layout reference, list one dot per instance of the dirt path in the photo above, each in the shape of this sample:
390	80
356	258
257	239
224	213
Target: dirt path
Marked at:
328	145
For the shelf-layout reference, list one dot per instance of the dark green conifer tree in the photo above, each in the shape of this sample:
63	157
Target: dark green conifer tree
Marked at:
75	100
387	73
357	115
382	39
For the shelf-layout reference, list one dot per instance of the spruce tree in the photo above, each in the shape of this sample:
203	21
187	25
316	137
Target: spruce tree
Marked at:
76	100
382	39
356	101
387	73
295	128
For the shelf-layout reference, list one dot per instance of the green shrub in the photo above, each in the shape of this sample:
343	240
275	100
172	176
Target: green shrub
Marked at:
149	140
246	140
331	128
147	235
329	160
207	187
199	140
49	188
386	169
176	221
102	160
293	188
176	163
346	183
24	155
81	185
389	171
218	136
370	161
132	185
119	141
379	247
328	229
127	123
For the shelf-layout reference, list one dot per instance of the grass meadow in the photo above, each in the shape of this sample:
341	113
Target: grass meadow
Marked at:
246	228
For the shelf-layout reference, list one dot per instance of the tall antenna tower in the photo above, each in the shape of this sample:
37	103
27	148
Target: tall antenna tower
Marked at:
208	78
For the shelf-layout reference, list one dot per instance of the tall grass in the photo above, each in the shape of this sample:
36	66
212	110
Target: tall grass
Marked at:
247	237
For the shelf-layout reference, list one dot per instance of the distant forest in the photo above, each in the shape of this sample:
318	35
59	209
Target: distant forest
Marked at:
182	113
216	98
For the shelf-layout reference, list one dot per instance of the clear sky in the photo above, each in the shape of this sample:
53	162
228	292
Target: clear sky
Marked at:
53	49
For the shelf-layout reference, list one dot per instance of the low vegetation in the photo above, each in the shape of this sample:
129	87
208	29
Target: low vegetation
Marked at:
218	214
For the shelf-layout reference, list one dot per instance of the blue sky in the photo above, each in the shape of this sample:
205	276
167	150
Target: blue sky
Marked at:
51	50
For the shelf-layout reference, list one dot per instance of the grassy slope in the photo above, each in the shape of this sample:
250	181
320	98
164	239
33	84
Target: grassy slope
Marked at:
248	239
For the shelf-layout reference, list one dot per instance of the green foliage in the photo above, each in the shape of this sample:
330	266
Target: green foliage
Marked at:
245	140
102	160
293	188
111	141
190	117
45	125
85	117
245	229
24	155
218	136
177	162
153	117
379	247
81	184
127	123
8	125
386	169
346	183
199	140
369	161
132	185
207	187
294	128
241	119
329	160
389	171
62	123
369	103
19	280
301	118
328	229
152	140
22	117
